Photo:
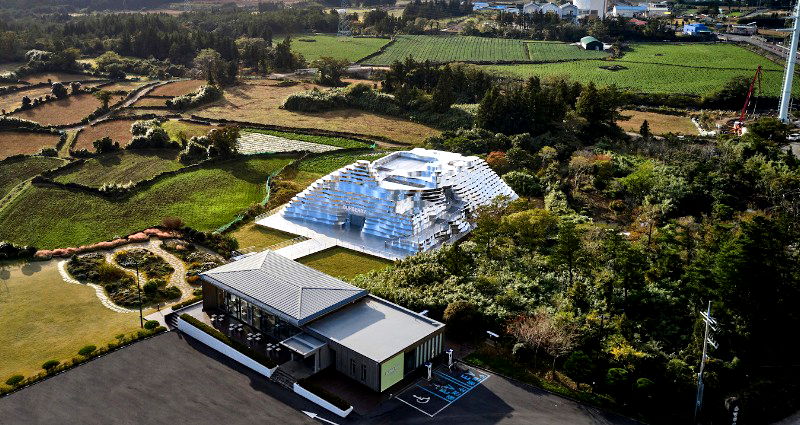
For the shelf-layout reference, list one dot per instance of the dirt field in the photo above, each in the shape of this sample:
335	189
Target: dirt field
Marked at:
259	101
119	131
150	101
12	101
127	86
659	123
156	112
57	76
16	142
179	88
61	112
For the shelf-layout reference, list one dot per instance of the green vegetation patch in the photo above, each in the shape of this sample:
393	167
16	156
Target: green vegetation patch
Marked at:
149	263
258	238
343	263
313	47
205	198
699	55
339	142
16	172
443	49
46	318
325	164
182	130
121	167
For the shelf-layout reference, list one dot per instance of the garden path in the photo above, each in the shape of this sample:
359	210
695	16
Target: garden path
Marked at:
101	293
178	277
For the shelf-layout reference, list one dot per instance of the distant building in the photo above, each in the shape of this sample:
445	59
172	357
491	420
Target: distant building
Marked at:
566	10
655	10
591	43
629	11
696	29
750	29
595	8
531	8
569	11
550	8
479	6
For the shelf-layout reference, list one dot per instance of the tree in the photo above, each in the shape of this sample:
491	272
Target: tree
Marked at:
443	96
105	145
223	141
26	102
462	319
644	130
105	97
212	66
59	90
330	70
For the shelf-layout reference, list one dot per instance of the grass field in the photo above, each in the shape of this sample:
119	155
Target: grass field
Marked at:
65	111
343	263
14	173
181	129
658	123
322	140
150	102
259	101
18	142
57	77
348	48
324	164
255	238
118	130
204	198
122	167
46	318
692	69
478	49
178	88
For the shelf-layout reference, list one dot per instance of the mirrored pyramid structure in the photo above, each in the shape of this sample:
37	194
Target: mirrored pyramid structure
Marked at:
413	200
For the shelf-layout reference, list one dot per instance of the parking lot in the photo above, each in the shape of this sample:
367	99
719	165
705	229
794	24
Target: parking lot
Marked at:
446	386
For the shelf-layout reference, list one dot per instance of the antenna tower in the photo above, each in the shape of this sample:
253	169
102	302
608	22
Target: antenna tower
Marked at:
344	23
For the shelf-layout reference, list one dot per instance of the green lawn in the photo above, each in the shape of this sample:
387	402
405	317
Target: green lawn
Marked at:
325	164
349	48
659	68
443	49
177	128
204	198
253	237
46	318
122	167
343	263
339	142
16	172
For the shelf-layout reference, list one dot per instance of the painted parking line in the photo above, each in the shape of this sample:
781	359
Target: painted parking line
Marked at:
445	388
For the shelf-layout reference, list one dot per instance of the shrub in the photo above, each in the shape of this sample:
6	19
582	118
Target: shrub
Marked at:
150	288
50	364
578	366
139	128
462	319
194	152
203	95
105	145
59	90
87	350
9	251
154	138
14	380
170	293
524	184
172	223
498	162
51	152
151	324
184	303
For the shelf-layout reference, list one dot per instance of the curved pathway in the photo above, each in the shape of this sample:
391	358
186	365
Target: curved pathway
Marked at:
101	293
178	277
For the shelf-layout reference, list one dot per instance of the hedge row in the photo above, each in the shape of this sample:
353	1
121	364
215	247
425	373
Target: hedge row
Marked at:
236	345
185	303
322	393
57	367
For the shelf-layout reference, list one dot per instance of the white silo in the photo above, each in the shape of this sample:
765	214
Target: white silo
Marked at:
591	8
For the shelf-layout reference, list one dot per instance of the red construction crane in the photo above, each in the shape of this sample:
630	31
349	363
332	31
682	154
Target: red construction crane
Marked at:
738	126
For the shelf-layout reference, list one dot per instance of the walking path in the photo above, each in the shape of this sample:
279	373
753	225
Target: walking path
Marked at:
101	293
307	247
178	277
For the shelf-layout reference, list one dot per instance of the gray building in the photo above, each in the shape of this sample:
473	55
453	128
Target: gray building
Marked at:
323	321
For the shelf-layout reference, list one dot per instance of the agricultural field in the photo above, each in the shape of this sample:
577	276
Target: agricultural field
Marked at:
178	88
663	69
63	77
19	142
658	123
343	263
64	111
46	318
313	47
117	130
442	49
260	101
205	198
182	130
122	167
126	86
14	172
147	101
339	142
12	101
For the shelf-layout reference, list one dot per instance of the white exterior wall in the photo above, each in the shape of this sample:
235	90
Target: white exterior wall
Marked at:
530	8
223	348
551	8
591	7
320	402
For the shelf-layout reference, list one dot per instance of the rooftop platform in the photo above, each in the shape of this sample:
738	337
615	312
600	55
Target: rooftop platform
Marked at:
375	328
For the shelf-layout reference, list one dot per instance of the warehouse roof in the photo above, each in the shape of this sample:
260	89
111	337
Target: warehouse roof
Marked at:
375	328
295	292
589	39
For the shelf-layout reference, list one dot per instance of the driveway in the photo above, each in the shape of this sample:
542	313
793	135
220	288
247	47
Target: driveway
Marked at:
172	379
163	380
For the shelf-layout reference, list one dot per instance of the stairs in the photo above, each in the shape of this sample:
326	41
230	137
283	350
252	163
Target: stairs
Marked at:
283	379
172	320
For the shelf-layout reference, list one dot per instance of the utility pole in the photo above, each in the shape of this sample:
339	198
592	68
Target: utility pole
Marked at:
788	78
711	324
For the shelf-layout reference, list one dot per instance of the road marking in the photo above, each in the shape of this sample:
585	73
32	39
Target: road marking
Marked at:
415	407
447	389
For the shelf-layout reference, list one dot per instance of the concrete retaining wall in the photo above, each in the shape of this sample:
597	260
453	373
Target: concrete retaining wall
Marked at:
322	403
223	348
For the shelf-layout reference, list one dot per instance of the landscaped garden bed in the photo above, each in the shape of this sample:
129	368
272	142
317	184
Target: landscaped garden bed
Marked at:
148	263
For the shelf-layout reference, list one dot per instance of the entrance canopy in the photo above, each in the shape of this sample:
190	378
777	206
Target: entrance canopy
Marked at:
303	344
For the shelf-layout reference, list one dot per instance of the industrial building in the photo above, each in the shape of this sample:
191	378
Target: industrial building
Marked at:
323	321
591	8
407	202
591	43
